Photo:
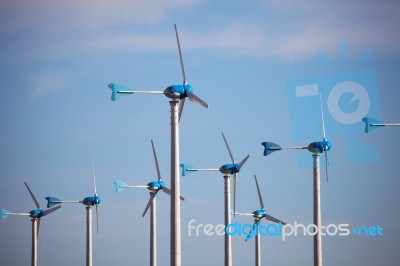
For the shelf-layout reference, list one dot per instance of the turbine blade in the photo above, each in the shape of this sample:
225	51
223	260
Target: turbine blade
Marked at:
229	150
97	219
181	105
273	219
38	227
156	161
152	195
180	56
48	211
326	164
94	179
169	192
192	97
234	193
322	116
33	196
250	235
259	193
242	162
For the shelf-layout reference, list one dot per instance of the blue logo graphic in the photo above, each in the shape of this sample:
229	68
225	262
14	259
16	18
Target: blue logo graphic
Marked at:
347	97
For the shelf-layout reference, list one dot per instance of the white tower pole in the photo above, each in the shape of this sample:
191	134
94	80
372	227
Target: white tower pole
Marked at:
227	210
176	256
257	244
88	235
317	211
153	232
34	240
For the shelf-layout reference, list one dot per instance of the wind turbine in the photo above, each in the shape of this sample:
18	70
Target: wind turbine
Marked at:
178	95
371	124
154	187
258	216
36	215
89	202
316	148
228	170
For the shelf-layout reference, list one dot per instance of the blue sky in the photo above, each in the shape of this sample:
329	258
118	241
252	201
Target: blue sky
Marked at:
243	58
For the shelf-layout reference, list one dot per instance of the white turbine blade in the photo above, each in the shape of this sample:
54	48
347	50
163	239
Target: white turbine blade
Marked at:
322	117
152	195
48	211
97	219
259	193
326	165
140	92
156	161
192	97
234	193
243	161
33	196
229	150
181	105
273	219
180	56
94	179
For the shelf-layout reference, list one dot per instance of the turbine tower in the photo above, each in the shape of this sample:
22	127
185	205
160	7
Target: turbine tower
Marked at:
316	148
36	215
154	187
258	216
177	94
228	170
89	202
371	124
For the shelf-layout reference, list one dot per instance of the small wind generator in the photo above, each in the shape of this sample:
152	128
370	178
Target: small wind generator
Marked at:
89	202
316	148
36	215
228	170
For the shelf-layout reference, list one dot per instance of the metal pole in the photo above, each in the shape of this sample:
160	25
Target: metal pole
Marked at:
88	235
153	232
227	210
34	241
317	211
257	243
175	188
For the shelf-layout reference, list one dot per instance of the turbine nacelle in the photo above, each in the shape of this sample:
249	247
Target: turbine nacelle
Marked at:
92	201
156	185
229	169
259	214
178	91
320	146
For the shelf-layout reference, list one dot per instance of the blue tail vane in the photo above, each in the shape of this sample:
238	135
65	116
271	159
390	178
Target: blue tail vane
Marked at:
270	147
115	89
186	168
368	124
4	214
119	185
51	201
